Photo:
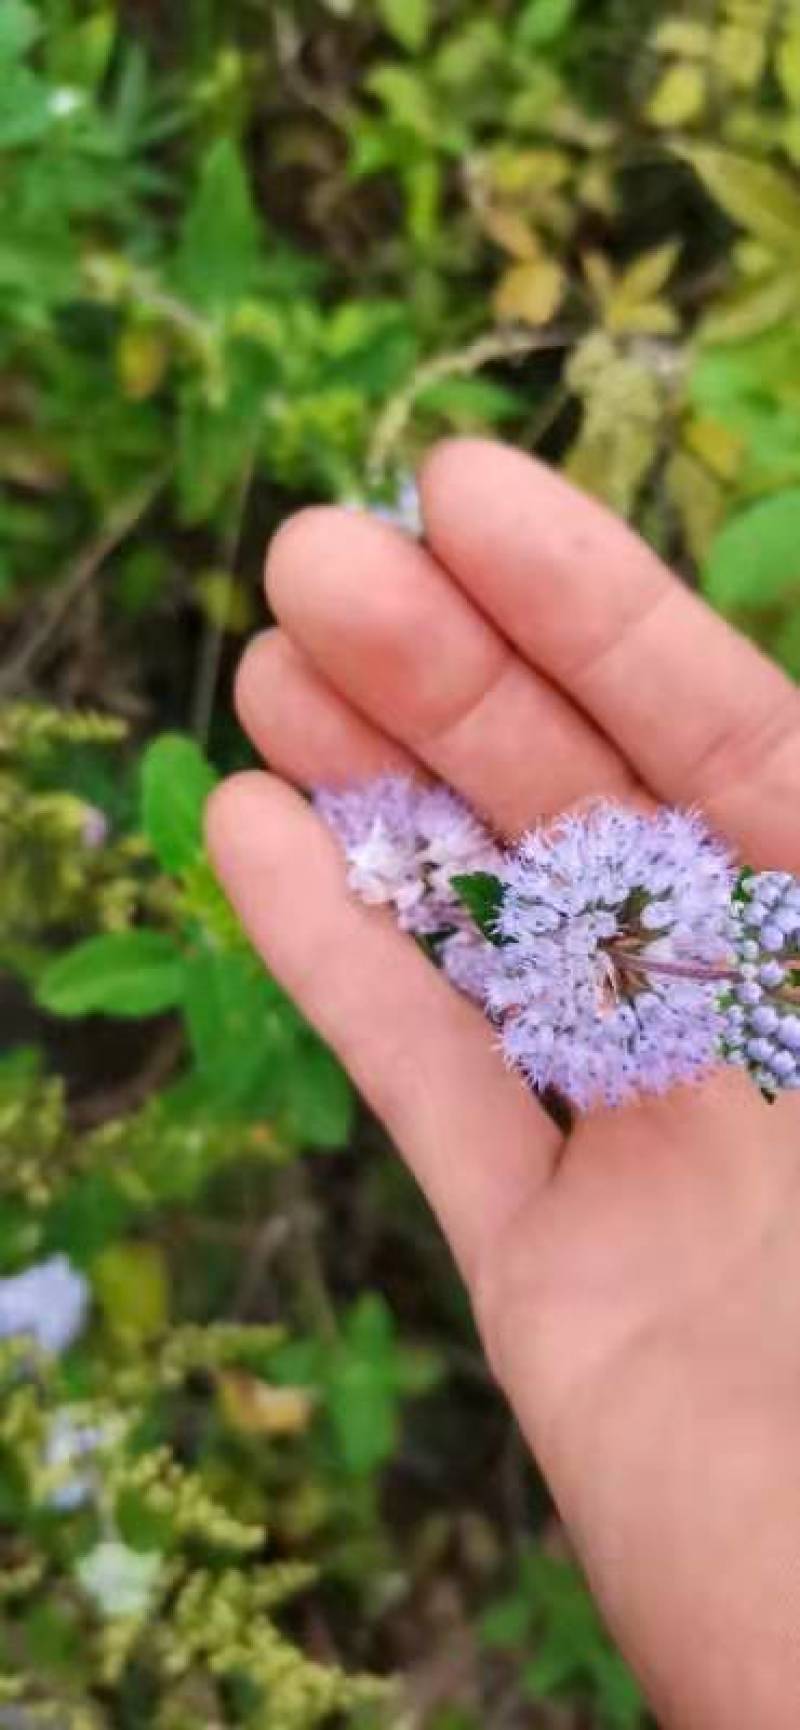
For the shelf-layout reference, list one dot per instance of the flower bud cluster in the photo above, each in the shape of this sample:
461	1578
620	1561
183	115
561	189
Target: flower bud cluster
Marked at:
762	1014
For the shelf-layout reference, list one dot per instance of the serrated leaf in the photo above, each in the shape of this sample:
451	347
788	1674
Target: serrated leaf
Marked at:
530	293
755	560
128	973
762	200
408	21
176	782
482	895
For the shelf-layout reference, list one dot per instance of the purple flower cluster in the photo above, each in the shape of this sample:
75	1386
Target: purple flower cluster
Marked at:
615	928
627	954
762	1021
404	844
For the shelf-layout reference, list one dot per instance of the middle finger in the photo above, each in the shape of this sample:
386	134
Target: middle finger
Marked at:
375	613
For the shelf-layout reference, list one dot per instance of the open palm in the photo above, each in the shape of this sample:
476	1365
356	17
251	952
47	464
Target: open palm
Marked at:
637	1282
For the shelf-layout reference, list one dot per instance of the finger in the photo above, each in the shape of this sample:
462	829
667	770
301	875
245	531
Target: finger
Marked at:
476	1141
699	714
384	625
302	727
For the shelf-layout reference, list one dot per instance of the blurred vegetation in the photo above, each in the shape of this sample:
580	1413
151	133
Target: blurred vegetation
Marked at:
255	253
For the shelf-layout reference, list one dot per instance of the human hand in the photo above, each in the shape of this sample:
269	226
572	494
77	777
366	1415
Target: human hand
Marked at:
637	1282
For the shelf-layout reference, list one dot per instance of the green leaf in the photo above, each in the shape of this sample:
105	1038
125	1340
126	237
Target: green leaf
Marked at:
25	114
407	100
81	55
755	560
242	1032
465	401
482	895
408	21
129	973
216	441
543	21
765	202
507	1623
19	29
321	1105
362	1387
220	252
176	782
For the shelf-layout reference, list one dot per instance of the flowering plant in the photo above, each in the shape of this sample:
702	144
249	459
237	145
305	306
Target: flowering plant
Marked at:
618	952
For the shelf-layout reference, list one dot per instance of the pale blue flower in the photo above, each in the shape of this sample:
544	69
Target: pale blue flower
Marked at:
47	1303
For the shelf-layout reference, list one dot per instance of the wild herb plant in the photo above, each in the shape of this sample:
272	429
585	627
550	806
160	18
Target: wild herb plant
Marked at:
251	256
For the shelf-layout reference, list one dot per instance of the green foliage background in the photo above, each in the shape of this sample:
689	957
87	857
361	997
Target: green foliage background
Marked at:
255	253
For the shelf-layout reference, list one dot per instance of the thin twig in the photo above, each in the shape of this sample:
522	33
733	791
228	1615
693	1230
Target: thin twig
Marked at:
505	345
314	1299
80	572
132	1094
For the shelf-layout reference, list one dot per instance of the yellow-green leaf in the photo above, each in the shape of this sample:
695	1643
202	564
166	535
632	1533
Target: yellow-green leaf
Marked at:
684	37
753	309
408	21
142	360
718	447
132	1288
650	272
226	602
700	501
679	97
787	62
530	293
740	52
512	231
760	198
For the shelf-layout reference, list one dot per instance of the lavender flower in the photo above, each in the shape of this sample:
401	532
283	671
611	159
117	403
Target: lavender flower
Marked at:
404	844
48	1302
615	929
628	955
95	828
762	1031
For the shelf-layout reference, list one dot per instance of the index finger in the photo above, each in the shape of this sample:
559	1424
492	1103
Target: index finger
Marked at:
698	713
